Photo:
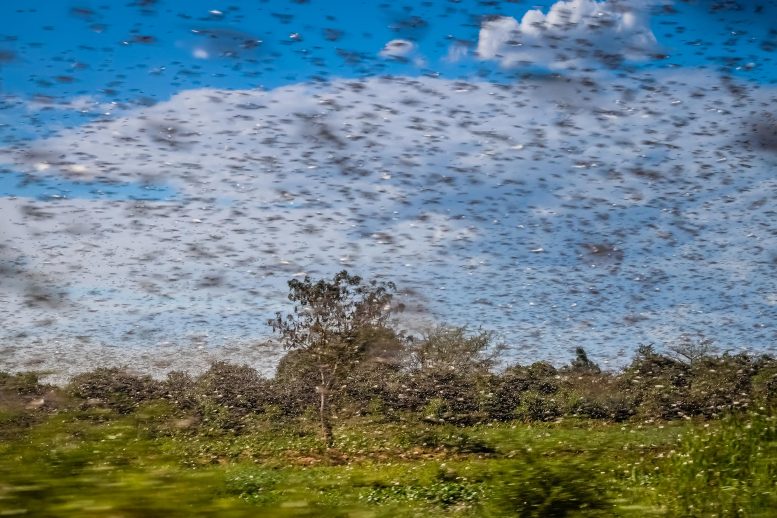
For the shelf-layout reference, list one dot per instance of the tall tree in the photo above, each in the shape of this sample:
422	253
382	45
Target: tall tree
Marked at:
326	325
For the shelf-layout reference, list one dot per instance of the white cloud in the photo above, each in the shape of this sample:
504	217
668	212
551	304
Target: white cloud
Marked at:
443	186
573	33
456	52
398	49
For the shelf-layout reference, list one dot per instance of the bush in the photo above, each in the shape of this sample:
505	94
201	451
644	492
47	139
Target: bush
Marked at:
371	388
179	388
456	397
764	383
658	384
503	395
596	396
295	382
537	407
226	393
719	385
615	407
21	384
114	388
446	437
539	487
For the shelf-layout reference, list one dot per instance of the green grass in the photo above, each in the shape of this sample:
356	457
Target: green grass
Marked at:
155	462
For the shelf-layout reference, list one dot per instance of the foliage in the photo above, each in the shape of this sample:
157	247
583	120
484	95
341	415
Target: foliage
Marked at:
115	388
21	384
96	462
329	326
535	406
417	434
444	349
227	393
727	470
596	396
582	364
690	349
328	315
385	380
534	487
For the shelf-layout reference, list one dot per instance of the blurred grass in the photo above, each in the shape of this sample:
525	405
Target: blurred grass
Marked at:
157	462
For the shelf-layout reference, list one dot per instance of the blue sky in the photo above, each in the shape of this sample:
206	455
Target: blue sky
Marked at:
125	51
149	146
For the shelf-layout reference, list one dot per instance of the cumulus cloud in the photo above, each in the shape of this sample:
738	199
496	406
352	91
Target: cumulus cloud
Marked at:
573	33
398	49
404	51
648	203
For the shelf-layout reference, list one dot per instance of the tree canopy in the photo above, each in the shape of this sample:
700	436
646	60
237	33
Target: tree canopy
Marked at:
328	324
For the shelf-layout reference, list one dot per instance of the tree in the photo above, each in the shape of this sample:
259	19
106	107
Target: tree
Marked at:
449	371
689	350
328	328
446	348
582	364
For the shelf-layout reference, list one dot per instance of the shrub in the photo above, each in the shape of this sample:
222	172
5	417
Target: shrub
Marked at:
615	407
295	382
503	395
658	384
764	383
506	390
537	407
718	385
22	384
445	437
455	395
114	388
542	377
371	388
226	393
179	388
596	396
539	487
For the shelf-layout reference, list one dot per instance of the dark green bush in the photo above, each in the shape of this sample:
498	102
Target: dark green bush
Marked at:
295	382
114	388
535	487
446	437
503	395
226	393
456	396
658	384
764	386
596	395
536	406
22	384
615	407
506	391
180	389
719	385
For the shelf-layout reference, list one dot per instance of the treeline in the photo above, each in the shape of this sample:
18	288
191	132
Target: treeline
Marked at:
345	359
448	376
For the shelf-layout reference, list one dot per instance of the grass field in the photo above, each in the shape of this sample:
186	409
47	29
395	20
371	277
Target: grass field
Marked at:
158	462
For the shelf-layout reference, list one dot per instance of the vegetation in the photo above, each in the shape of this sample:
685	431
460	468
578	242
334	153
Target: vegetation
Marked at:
426	425
331	328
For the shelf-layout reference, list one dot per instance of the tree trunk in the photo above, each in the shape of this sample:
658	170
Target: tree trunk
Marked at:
326	424
323	410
